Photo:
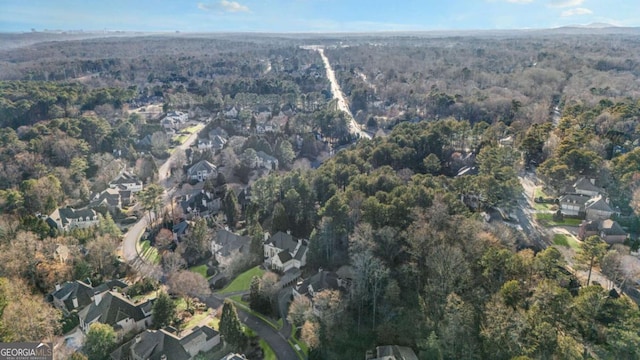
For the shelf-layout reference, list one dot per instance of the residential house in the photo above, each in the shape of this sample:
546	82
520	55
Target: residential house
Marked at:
598	208
218	131
282	252
200	203
174	121
118	311
608	230
65	219
322	280
587	187
126	181
218	142
202	170
165	344
204	144
226	244
75	295
231	113
266	161
573	204
392	352
109	199
180	230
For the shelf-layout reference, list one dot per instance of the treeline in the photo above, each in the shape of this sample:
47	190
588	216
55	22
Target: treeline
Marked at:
24	103
426	273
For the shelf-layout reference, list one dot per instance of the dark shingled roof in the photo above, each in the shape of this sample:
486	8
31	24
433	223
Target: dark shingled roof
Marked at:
153	344
283	241
586	185
231	242
125	178
114	308
574	199
322	280
610	227
284	256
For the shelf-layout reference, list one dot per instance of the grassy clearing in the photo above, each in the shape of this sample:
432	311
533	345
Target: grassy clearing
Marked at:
195	320
150	253
543	207
268	351
243	281
566	241
546	219
193	129
180	139
200	269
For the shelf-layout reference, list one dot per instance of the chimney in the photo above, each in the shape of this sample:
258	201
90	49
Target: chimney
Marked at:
97	297
58	287
75	302
163	357
139	338
593	181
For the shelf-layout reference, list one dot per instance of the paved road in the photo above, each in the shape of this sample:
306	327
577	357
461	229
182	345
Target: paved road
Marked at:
129	252
277	341
131	237
354	127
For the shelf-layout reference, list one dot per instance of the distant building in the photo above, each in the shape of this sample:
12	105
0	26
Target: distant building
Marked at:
598	208
587	187
266	161
65	219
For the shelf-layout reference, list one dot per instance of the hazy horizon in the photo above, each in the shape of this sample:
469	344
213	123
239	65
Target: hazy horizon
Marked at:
310	16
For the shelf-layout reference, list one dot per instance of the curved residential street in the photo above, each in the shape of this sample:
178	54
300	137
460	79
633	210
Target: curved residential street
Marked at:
354	127
129	252
275	339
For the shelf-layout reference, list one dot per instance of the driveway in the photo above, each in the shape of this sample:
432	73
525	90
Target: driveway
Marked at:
278	343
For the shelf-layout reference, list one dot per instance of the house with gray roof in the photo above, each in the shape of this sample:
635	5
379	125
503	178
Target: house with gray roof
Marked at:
587	187
75	295
166	344
266	161
202	170
126	181
282	252
598	208
392	352
200	203
114	309
573	204
226	243
608	230
65	219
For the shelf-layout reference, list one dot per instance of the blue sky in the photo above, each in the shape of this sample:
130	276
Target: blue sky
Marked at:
310	15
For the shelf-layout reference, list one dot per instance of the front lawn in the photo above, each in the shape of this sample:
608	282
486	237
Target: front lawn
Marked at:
546	219
150	253
268	352
540	206
566	241
243	281
200	269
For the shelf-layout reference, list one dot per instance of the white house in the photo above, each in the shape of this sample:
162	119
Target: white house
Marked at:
126	181
66	219
202	170
266	161
282	252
